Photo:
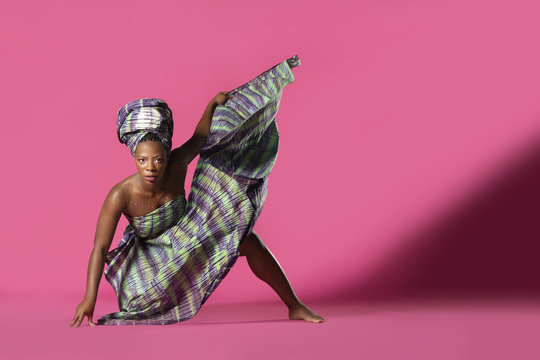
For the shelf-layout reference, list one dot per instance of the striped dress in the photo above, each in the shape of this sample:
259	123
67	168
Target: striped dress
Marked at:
170	260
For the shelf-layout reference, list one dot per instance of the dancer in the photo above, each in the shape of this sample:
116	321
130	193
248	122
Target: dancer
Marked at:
175	252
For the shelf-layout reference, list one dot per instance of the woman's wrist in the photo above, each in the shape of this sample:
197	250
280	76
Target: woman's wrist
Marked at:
90	299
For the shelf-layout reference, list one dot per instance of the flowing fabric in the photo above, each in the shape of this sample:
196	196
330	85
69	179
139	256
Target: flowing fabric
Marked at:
170	260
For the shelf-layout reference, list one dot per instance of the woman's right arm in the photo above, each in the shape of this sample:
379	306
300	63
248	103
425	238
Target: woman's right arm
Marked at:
109	215
184	154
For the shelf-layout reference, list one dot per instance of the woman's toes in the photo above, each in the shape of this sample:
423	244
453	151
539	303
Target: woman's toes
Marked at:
302	312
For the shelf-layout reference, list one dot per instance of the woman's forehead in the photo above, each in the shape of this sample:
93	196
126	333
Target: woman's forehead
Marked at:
150	148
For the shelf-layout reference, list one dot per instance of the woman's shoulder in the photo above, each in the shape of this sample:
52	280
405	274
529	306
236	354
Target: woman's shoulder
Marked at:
121	191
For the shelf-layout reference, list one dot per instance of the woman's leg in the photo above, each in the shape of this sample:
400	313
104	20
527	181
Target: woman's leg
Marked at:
265	266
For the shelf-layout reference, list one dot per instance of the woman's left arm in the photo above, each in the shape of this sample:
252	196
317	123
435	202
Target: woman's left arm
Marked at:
184	154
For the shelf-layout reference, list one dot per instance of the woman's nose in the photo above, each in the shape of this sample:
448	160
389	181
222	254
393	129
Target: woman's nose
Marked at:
150	166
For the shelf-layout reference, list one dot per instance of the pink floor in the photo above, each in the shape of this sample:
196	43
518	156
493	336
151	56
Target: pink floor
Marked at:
36	328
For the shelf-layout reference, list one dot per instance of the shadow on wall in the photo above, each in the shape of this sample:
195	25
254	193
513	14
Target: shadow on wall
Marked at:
489	247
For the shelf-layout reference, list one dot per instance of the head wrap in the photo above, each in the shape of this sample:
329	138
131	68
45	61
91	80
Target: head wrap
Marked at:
142	116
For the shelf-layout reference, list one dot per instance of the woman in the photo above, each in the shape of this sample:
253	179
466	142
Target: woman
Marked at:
174	252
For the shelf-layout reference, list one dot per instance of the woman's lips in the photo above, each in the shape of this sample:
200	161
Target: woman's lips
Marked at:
151	178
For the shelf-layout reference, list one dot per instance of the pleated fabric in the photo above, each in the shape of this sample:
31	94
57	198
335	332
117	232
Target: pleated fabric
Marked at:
171	260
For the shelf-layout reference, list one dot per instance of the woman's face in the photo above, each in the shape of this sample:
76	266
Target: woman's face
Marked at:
151	160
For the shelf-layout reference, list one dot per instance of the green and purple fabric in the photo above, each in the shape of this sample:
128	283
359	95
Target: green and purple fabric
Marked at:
139	117
170	260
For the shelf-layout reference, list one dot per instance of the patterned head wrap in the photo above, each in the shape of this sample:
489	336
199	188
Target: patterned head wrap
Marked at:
139	117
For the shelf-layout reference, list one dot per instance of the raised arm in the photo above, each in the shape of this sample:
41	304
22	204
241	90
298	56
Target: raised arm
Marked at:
184	154
106	226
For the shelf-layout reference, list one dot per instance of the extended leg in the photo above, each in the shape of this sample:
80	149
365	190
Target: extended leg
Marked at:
265	266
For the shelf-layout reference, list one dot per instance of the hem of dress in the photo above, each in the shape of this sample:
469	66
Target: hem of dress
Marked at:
137	322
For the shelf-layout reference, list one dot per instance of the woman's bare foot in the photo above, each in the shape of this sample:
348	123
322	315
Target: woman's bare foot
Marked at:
302	312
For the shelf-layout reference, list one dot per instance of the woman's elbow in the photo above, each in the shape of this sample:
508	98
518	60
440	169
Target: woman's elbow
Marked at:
100	250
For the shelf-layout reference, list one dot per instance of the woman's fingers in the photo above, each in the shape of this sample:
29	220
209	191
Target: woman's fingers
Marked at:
78	319
83	310
73	321
221	97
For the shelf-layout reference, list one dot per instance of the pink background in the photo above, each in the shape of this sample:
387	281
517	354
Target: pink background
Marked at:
408	163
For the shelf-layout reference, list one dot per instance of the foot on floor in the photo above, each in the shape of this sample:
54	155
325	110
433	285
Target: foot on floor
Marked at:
302	312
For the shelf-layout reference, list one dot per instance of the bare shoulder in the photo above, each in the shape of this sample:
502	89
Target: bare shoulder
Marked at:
119	195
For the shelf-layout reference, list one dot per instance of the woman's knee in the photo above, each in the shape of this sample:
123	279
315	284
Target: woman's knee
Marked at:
256	240
252	241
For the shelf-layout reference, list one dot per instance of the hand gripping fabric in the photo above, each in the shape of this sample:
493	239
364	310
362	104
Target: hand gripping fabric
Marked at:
170	260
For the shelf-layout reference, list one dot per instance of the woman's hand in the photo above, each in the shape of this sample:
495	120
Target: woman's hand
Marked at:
221	97
85	308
